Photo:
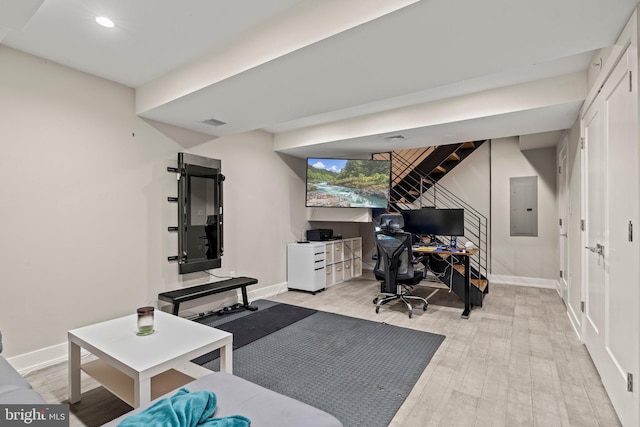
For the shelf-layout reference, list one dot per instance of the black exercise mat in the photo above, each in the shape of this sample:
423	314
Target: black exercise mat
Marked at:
254	325
357	370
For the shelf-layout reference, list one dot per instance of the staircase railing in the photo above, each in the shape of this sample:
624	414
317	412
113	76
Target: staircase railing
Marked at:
417	191
475	224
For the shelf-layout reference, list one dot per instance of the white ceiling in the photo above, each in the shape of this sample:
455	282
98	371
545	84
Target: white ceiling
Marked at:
298	67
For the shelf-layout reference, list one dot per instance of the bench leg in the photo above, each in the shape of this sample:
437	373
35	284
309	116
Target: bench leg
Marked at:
176	308
245	300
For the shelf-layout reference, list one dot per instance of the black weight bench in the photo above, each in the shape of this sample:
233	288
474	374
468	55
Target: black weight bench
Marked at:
199	291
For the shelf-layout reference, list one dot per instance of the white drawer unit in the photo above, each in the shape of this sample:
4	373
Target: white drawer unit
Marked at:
306	267
335	260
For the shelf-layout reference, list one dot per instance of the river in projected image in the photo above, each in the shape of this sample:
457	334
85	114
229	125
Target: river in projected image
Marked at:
332	195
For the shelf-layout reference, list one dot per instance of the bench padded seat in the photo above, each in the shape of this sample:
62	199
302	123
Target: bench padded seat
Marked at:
194	292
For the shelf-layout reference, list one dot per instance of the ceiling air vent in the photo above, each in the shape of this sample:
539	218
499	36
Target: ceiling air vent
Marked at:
394	138
214	122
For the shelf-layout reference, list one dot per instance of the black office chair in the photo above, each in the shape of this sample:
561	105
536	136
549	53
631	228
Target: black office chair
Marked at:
394	264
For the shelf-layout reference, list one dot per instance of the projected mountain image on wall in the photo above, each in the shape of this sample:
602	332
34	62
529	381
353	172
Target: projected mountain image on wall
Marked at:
347	183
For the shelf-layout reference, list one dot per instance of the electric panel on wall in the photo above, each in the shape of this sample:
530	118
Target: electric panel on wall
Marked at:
523	206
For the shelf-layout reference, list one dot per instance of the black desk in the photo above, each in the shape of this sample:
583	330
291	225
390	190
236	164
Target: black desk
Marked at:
466	254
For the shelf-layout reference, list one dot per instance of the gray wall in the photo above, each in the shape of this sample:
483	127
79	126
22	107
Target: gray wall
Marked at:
82	202
482	180
84	208
519	256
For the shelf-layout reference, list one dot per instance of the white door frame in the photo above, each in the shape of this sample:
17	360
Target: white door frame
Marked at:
563	223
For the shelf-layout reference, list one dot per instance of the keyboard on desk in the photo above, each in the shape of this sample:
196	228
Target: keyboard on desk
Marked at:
427	248
436	249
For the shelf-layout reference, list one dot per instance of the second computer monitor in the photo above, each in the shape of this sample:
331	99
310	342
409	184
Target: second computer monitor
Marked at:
432	221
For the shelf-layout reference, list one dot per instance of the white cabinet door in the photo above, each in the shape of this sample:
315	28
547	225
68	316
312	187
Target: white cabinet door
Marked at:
343	260
338	251
612	320
329	253
348	269
357	257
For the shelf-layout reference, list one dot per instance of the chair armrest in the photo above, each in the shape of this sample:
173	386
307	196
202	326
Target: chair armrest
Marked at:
416	260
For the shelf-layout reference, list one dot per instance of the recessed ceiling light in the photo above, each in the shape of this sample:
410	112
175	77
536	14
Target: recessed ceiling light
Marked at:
105	22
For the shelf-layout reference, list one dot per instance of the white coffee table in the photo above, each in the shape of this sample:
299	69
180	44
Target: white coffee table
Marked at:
138	369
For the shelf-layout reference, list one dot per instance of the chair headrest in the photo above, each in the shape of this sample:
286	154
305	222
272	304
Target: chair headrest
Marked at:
391	221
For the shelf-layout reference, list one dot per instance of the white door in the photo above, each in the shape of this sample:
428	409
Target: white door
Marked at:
595	175
563	221
612	322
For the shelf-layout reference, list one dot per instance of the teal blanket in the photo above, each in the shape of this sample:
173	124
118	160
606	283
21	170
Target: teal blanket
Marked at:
184	409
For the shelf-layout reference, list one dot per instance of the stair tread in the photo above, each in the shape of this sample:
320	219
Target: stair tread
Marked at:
469	144
453	157
439	169
480	283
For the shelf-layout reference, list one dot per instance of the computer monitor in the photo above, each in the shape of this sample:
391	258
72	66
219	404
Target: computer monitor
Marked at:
432	221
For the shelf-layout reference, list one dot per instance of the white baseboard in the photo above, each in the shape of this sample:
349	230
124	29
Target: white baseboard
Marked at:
575	320
265	292
532	282
43	358
39	359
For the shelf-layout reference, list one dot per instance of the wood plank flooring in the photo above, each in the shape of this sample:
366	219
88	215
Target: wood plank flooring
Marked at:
515	362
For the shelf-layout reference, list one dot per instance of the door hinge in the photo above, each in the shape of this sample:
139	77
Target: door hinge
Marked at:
582	224
561	274
629	381
630	82
559	170
560	221
630	231
582	306
582	142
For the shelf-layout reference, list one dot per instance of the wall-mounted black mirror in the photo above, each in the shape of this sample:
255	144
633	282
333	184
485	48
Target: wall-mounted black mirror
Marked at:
200	233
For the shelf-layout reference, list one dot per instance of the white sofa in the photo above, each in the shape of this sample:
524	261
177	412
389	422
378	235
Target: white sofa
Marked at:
13	388
265	408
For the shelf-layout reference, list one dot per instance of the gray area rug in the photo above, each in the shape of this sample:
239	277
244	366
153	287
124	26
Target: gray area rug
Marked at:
357	370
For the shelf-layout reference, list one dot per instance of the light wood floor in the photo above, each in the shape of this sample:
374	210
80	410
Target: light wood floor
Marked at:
514	362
